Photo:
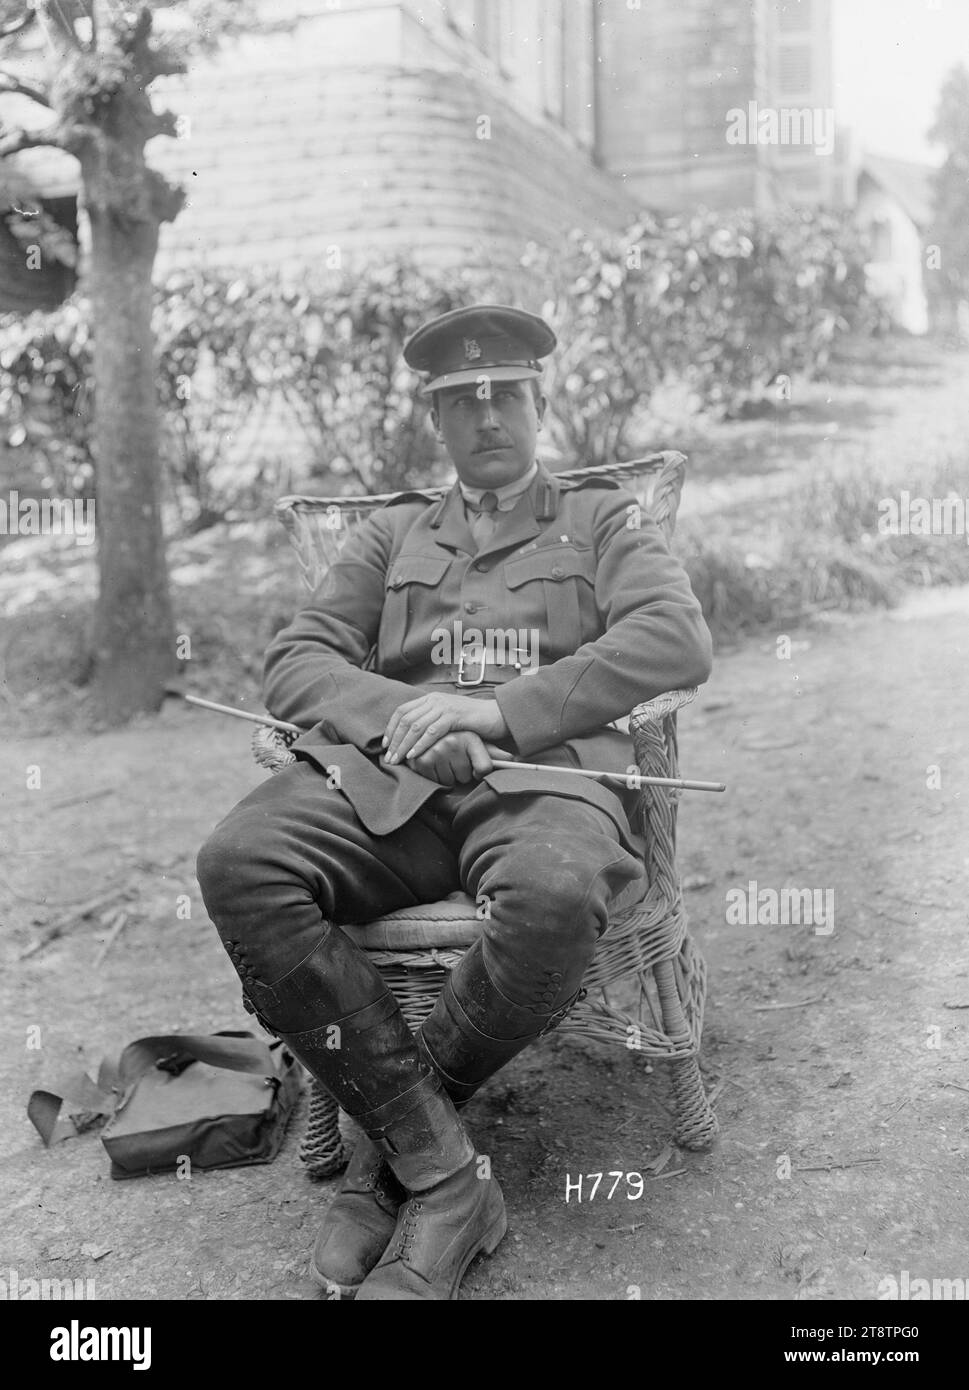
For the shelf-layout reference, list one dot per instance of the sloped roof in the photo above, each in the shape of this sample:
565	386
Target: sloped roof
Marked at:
910	184
22	286
53	173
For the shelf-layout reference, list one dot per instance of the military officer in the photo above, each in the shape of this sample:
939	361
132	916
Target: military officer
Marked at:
518	616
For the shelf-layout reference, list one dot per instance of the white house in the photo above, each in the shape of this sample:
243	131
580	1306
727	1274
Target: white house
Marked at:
894	204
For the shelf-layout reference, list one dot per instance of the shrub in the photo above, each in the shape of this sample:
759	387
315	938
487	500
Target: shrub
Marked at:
723	302
335	347
211	379
824	549
45	401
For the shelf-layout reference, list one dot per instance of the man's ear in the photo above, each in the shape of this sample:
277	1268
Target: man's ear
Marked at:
436	422
540	407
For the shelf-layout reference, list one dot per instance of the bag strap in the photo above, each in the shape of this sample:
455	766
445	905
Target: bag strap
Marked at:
173	1052
88	1102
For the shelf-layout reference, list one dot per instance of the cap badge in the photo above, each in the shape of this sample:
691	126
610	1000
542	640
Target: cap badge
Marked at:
471	350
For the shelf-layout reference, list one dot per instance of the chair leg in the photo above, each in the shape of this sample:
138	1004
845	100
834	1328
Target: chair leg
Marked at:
323	1150
696	1124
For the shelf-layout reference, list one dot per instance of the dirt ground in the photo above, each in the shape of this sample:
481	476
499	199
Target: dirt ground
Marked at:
839	1060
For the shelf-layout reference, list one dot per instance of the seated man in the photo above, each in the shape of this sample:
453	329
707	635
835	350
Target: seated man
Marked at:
579	613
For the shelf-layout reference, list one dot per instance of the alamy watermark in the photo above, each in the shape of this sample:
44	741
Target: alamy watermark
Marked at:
478	648
14	1289
77	1343
784	125
48	516
907	1288
754	906
906	515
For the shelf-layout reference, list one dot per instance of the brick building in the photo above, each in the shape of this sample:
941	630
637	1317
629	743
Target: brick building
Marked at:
460	130
681	81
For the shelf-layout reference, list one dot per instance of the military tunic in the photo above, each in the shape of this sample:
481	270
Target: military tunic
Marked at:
579	565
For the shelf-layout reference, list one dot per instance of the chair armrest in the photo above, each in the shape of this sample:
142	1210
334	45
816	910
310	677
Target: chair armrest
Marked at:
653	727
270	748
655	710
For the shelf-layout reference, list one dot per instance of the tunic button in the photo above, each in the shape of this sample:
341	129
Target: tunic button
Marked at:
557	571
470	607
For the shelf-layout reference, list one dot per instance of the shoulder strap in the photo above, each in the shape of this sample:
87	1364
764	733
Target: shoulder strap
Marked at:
88	1102
174	1052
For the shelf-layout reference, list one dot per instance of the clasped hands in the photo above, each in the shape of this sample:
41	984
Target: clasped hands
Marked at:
447	738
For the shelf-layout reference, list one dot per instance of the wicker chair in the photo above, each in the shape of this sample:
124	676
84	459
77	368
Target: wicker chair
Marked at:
646	942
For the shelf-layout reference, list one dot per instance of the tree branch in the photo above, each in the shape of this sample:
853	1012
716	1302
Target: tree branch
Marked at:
163	61
161	123
167	199
57	16
10	83
16	140
17	26
136	40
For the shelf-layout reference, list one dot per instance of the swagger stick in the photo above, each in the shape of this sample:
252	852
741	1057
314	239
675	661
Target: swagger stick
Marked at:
627	779
244	714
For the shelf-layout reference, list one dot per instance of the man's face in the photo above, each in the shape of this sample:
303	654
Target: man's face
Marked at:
490	435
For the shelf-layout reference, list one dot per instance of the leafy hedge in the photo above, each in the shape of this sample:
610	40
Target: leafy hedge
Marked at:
332	353
45	401
720	303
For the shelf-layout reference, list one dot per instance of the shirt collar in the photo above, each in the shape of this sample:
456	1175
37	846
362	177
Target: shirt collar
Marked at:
507	495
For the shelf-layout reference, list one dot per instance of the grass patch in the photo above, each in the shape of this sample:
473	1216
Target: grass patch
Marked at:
822	547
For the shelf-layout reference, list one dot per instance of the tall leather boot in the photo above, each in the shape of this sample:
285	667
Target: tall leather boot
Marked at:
337	1016
471	1032
474	1029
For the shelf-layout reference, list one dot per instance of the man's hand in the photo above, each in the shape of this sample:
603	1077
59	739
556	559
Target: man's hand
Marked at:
458	757
415	726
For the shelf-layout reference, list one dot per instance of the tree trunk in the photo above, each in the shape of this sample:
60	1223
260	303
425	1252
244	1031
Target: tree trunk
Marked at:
134	634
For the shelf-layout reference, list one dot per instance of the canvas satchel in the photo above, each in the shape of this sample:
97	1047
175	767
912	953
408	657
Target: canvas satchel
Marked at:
209	1101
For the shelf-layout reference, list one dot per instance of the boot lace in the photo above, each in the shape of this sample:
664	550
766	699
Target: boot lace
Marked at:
407	1228
380	1184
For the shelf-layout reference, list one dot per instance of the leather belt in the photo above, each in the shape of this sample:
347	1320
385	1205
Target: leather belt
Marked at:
473	668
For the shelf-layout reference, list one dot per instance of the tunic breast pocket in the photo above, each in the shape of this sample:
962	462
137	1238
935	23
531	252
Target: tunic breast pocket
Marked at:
552	588
414	605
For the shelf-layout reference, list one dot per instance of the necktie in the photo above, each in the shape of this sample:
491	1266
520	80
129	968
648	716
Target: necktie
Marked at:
483	518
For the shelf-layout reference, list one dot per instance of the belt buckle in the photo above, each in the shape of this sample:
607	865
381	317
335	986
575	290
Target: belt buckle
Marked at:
471	652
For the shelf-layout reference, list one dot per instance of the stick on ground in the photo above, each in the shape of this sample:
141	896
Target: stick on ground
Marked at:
60	924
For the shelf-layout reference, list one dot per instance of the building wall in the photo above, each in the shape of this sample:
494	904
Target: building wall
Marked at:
538	54
799	76
372	129
669	75
673	72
